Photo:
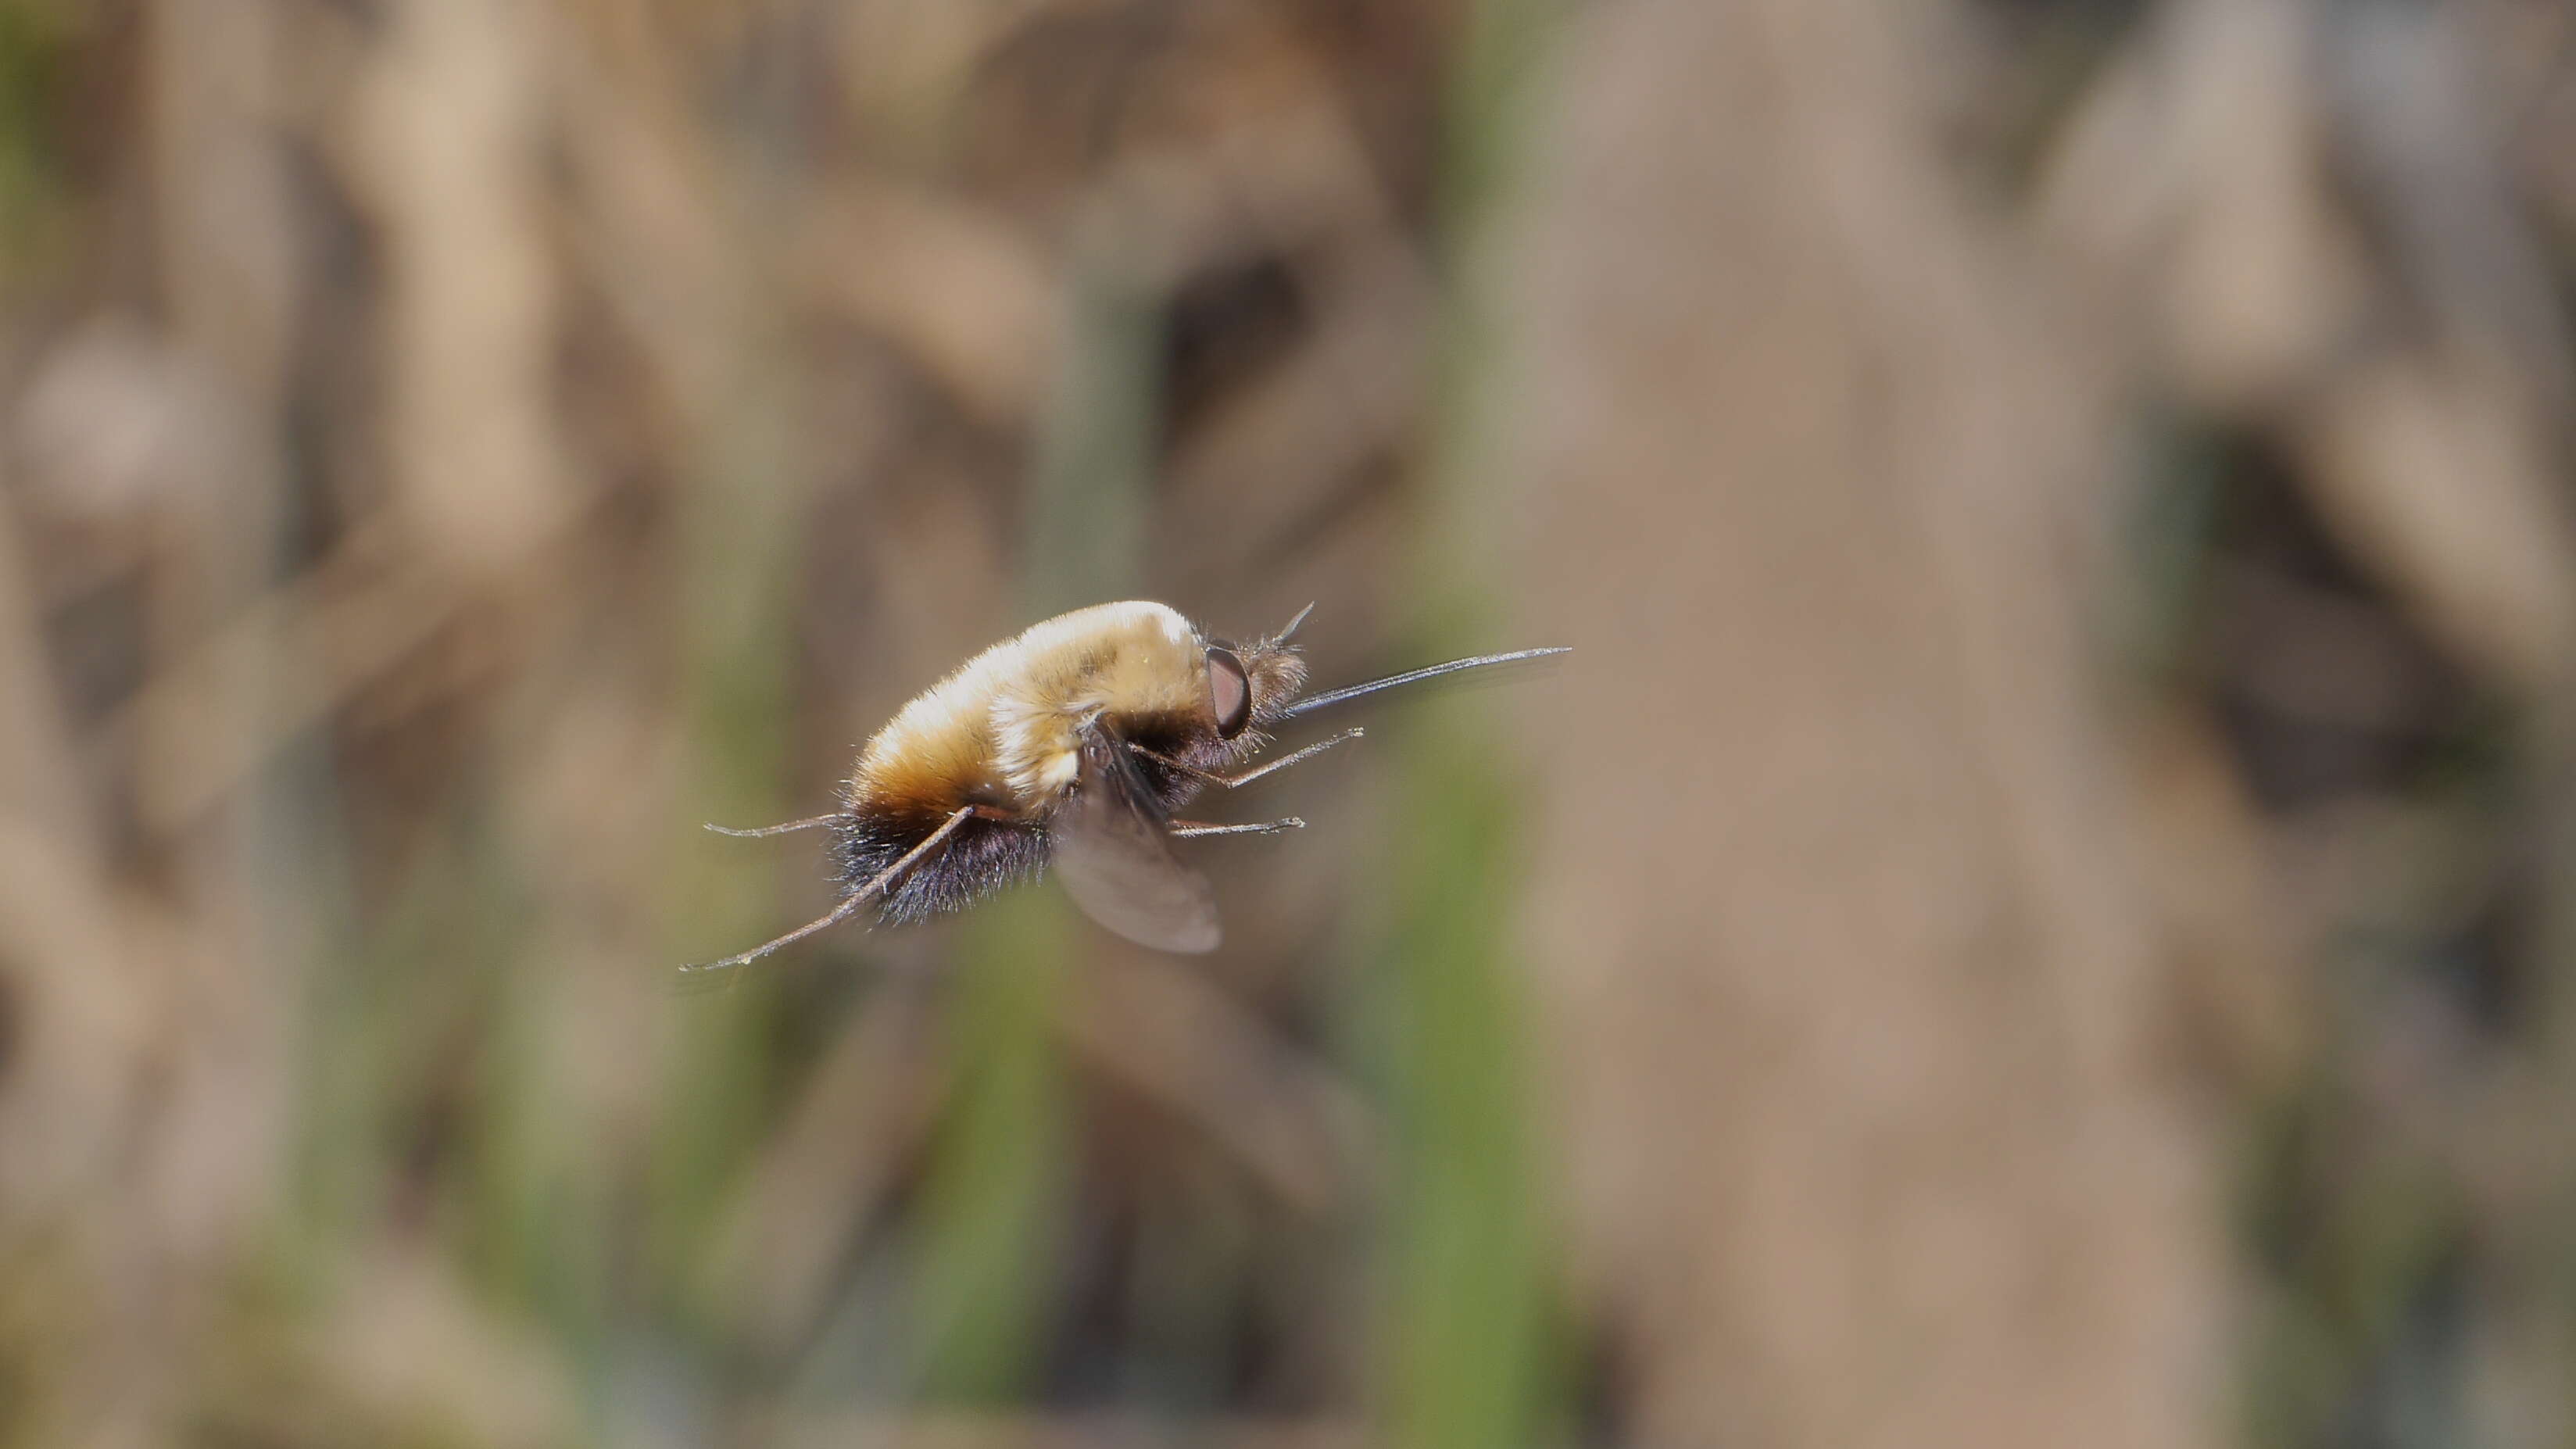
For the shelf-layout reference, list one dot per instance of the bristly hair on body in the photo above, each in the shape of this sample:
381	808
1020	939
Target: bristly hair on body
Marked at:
986	853
1070	746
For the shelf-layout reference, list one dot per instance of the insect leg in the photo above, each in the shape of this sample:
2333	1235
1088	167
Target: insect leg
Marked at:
788	828
850	904
1248	776
1190	829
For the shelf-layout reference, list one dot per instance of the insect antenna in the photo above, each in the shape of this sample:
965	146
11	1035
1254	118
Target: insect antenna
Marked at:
1330	697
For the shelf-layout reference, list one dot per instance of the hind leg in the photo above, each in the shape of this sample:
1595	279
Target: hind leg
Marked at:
1192	830
876	886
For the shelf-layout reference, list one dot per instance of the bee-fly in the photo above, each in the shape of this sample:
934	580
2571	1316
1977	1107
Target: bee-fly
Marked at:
1071	745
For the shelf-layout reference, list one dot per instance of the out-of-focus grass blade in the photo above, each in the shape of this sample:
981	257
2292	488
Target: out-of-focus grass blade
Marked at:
1467	1257
983	1276
1469	1265
981	1263
743	536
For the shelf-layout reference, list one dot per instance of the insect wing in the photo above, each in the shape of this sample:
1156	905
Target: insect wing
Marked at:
1110	852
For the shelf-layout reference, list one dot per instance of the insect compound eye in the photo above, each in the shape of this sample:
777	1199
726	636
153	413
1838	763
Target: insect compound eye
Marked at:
1229	692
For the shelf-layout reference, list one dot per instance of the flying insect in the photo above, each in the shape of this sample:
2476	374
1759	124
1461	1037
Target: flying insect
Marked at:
1071	744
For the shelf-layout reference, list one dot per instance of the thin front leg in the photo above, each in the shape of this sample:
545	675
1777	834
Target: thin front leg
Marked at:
1248	776
1191	829
789	827
876	886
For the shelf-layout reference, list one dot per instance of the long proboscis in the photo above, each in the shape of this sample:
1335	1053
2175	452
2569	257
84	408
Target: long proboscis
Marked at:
1330	697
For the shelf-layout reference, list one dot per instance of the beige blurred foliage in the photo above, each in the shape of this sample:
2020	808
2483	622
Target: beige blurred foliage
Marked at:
1868	1105
449	447
1872	934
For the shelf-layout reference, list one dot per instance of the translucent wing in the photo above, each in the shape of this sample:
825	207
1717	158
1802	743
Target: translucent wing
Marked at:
1108	848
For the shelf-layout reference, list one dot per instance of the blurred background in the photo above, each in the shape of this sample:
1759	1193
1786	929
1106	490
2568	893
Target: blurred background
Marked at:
2042	910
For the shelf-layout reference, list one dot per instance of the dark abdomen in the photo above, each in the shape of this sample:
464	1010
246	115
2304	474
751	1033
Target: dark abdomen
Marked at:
978	858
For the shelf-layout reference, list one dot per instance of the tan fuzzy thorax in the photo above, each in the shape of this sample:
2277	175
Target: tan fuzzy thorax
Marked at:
1004	729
